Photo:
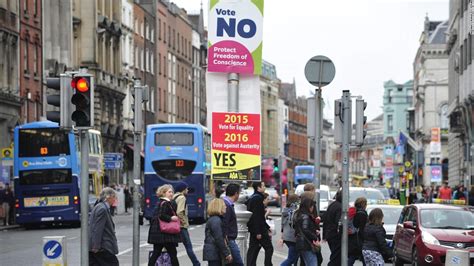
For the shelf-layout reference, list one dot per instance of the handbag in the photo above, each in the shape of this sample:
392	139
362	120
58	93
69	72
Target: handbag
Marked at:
171	227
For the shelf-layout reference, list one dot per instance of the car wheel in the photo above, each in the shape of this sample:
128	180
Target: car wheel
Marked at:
414	257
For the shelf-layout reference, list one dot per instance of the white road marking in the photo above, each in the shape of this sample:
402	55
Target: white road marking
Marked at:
130	249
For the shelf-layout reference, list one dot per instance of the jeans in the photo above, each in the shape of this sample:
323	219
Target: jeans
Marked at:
254	249
293	255
189	247
309	257
235	251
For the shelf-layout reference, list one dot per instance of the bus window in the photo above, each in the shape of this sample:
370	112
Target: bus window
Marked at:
174	139
45	177
43	142
173	169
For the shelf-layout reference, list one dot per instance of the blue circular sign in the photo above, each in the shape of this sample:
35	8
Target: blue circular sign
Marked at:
52	249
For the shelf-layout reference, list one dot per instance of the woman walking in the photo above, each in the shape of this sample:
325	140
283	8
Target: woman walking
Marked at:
288	232
166	212
216	251
357	238
307	235
375	246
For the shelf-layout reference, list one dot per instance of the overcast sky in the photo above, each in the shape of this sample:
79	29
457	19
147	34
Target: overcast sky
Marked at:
369	41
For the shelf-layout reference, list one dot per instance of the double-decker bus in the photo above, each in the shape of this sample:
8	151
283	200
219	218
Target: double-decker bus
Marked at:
173	153
304	174
47	173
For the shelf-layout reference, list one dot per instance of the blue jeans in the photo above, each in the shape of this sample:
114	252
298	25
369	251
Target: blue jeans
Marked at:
235	251
293	255
309	257
189	247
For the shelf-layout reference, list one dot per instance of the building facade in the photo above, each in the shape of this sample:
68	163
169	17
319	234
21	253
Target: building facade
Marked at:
461	93
430	91
269	86
396	101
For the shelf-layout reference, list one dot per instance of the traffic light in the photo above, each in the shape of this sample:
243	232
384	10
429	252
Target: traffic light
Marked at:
83	99
361	120
338	119
59	100
275	166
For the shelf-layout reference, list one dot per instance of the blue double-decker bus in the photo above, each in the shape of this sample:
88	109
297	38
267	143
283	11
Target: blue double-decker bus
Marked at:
173	153
304	174
46	173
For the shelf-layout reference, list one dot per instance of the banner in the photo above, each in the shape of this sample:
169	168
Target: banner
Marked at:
235	36
236	146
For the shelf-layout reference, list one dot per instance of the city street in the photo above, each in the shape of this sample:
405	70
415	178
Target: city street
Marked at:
24	247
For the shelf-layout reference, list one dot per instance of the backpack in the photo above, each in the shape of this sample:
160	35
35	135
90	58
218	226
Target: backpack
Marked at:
351	228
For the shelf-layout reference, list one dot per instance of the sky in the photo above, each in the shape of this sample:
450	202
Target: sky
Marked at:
369	42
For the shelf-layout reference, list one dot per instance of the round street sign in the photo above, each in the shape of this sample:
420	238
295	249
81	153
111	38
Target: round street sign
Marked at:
319	71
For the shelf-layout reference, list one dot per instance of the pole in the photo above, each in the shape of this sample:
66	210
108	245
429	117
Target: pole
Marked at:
136	169
84	133
317	144
346	138
233	97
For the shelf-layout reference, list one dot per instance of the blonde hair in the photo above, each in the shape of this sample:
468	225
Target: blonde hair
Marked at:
216	207
161	191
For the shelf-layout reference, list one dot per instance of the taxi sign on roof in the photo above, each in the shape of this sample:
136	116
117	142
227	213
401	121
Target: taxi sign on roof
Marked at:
450	202
389	202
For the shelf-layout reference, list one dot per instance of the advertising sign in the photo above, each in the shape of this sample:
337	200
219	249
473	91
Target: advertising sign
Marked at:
436	173
435	144
235	36
46	201
236	146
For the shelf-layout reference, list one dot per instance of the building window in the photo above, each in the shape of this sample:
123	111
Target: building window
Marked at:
443	116
25	6
389	96
25	57
35	8
389	123
35	61
164	66
179	44
152	35
159	29
159	63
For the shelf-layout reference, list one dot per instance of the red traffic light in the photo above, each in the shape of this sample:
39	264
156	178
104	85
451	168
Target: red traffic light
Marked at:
80	84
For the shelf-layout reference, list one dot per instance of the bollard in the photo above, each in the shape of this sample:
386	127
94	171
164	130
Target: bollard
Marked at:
243	217
457	257
54	251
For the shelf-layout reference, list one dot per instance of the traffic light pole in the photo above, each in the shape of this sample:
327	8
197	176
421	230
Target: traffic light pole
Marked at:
84	133
137	136
346	141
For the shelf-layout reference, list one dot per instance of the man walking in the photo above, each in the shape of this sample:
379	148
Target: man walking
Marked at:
102	240
181	191
230	221
258	228
331	229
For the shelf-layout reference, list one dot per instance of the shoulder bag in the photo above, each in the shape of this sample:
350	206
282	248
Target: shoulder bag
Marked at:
171	227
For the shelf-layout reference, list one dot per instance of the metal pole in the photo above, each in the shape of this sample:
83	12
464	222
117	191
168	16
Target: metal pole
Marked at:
233	96
84	133
346	138
317	144
136	171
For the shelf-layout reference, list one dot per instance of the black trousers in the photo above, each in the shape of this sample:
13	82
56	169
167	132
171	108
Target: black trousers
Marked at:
335	247
157	249
254	249
103	258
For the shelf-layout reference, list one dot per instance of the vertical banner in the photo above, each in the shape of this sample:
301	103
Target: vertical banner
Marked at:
435	144
235	36
236	146
436	173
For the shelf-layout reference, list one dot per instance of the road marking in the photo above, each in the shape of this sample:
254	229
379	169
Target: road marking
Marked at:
72	238
196	250
130	249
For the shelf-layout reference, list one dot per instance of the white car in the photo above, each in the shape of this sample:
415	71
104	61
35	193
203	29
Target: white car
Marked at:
324	196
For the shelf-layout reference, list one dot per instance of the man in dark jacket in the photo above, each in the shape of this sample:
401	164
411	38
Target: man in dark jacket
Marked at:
258	228
102	239
230	220
331	228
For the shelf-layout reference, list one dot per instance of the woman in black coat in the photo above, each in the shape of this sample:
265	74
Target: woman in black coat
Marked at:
216	250
375	247
307	235
357	239
165	211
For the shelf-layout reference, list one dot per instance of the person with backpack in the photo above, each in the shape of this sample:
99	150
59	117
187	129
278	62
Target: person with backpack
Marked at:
181	191
356	235
288	232
259	229
307	235
375	247
331	233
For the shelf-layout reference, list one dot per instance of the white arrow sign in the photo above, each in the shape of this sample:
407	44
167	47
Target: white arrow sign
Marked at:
50	251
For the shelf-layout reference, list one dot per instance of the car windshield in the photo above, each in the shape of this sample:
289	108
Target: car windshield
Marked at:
385	192
447	219
370	195
390	215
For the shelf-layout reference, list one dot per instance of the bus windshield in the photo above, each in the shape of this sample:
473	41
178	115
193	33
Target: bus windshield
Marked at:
174	139
45	177
43	142
305	171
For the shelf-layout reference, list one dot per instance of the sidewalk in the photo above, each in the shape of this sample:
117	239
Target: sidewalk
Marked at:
8	227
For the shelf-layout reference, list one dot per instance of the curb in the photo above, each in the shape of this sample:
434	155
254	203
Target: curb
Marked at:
9	227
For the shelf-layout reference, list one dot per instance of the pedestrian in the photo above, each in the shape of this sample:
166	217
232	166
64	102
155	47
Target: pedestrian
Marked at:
6	203
103	245
181	189
331	232
307	235
128	198
216	251
165	211
10	197
459	193
259	230
113	207
266	201
445	192
288	231
232	192
471	196
375	247
356	239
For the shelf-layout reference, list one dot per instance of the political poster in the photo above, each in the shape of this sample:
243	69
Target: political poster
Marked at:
235	30
236	146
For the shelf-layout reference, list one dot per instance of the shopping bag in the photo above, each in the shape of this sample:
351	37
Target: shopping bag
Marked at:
163	260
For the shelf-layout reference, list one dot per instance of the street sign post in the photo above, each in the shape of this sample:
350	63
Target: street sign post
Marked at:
113	160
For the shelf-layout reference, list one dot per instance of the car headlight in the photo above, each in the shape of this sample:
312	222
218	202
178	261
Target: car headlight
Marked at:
429	238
